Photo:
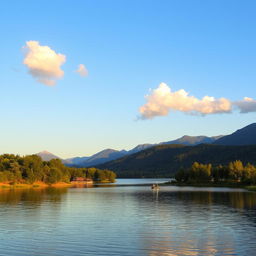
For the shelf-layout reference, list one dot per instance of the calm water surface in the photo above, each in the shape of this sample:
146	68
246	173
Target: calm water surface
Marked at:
140	181
128	221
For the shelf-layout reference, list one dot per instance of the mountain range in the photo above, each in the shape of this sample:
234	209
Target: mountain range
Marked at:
107	155
163	159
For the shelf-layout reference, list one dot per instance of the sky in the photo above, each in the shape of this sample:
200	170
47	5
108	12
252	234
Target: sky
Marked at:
78	77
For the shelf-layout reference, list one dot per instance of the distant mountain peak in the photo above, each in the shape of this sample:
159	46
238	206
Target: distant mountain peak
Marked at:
140	147
47	156
45	152
192	140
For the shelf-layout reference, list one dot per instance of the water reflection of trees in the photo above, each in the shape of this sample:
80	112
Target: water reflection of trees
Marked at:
239	200
31	196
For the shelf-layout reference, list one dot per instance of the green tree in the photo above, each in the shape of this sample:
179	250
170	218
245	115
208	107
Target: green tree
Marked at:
53	176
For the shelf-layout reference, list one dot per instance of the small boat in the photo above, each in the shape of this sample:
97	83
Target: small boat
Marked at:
155	187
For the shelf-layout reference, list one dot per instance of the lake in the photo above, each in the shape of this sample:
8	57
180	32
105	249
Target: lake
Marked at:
140	181
128	220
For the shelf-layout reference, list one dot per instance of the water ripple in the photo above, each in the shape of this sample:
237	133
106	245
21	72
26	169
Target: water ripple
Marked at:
128	221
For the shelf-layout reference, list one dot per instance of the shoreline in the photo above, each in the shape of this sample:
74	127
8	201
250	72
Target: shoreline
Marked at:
40	185
212	185
35	185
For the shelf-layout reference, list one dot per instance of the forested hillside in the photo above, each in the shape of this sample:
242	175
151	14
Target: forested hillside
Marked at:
166	160
244	136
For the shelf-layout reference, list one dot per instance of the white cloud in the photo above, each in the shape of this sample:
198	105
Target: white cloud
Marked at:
246	105
81	70
162	100
43	63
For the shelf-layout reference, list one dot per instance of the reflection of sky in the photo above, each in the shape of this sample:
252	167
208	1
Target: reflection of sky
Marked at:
129	221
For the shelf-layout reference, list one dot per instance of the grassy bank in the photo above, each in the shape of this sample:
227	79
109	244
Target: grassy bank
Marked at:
34	185
7	185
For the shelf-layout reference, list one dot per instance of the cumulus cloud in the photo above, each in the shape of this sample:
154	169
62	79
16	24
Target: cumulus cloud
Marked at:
82	70
246	105
43	63
162	100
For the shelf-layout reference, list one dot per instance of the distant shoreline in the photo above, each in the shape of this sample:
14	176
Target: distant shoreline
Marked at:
220	185
40	185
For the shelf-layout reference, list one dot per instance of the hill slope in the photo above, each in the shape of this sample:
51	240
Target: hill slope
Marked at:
165	160
244	136
74	161
102	156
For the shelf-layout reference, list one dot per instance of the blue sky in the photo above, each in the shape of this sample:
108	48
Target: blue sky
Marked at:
204	47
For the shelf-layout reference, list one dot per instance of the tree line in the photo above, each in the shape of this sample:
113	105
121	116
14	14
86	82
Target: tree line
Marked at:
31	168
234	172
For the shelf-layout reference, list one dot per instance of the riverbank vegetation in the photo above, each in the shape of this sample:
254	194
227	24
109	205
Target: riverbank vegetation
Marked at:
235	173
32	169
